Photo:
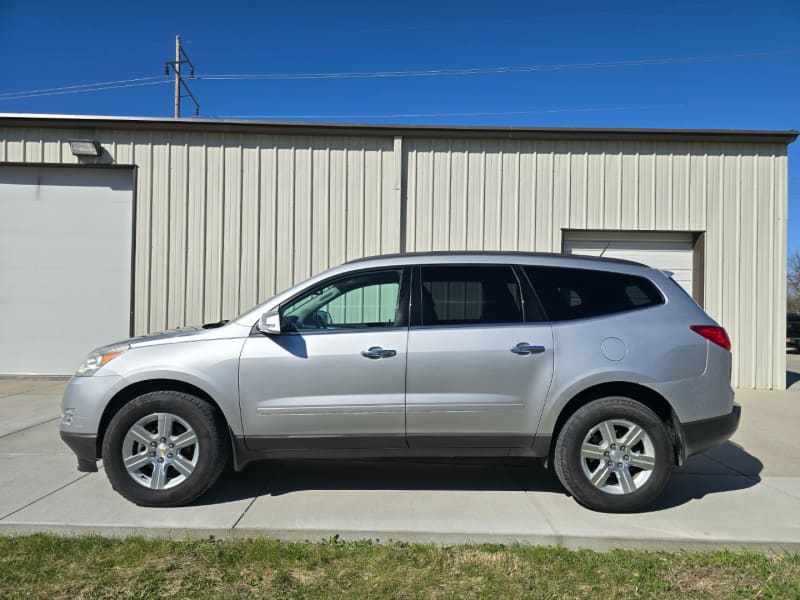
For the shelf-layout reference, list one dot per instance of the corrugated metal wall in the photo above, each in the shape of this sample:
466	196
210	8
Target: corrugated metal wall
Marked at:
520	195
225	220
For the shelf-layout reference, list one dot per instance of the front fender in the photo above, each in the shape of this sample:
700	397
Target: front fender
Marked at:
209	365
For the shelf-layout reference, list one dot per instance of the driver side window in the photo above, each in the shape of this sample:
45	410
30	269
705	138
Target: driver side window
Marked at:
356	301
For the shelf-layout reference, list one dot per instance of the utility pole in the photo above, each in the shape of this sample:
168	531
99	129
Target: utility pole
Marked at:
177	67
180	58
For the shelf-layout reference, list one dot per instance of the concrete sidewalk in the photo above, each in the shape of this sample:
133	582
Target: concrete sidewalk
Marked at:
745	494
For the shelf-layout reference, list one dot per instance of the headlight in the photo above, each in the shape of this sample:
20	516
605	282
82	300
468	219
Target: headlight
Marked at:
100	357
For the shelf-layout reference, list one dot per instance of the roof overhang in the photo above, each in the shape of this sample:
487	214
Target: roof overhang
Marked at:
362	130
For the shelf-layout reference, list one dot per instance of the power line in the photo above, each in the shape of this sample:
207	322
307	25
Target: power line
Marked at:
520	112
89	87
154	80
81	85
496	70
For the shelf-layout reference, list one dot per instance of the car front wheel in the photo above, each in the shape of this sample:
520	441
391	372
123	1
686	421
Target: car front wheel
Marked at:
614	455
165	449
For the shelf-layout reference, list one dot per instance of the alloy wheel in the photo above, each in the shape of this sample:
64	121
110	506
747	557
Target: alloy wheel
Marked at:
617	456
160	451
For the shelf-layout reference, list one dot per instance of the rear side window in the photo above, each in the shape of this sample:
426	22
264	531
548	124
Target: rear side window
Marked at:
568	294
470	295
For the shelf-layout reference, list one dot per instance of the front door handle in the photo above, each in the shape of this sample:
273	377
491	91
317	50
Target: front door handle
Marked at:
526	348
378	352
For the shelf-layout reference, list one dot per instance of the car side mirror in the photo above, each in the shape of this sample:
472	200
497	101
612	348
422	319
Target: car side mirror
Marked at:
270	323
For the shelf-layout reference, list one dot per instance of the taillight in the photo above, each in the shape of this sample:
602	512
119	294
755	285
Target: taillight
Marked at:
713	333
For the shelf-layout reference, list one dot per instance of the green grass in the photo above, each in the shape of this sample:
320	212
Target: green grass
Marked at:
46	566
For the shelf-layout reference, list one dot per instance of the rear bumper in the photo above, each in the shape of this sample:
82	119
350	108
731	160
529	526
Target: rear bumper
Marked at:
698	436
84	445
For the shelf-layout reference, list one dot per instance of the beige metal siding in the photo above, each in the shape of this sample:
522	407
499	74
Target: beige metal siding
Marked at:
224	220
521	195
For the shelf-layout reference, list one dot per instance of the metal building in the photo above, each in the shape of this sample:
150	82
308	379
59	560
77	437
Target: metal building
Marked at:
152	223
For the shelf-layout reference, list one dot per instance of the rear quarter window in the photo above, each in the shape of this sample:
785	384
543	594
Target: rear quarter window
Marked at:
567	293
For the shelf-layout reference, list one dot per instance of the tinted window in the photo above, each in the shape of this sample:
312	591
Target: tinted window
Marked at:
355	301
580	293
470	295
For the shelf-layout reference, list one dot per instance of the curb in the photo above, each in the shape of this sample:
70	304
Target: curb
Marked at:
599	544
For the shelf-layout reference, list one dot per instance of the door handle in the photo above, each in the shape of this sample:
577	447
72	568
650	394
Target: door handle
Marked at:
378	352
526	348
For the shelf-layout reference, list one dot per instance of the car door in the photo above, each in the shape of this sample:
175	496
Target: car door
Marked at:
335	375
480	358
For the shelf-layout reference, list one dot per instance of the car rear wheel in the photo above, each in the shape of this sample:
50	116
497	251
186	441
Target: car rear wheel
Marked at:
614	455
165	449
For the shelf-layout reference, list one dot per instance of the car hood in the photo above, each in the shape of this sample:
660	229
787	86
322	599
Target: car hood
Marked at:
209	331
163	336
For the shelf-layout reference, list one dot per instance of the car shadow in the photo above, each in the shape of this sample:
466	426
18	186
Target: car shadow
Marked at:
294	344
723	469
726	468
279	477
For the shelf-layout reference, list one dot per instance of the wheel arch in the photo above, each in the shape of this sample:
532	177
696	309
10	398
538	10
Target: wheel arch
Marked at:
134	390
635	391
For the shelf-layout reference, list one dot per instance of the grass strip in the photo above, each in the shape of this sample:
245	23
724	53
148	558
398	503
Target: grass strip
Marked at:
48	566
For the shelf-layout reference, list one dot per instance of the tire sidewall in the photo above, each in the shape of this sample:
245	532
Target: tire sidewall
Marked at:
208	449
568	459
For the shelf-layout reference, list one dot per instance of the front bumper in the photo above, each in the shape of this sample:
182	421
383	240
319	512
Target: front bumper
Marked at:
85	398
84	445
697	436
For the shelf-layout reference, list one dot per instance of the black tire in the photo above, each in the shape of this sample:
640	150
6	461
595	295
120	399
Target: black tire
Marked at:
213	447
568	462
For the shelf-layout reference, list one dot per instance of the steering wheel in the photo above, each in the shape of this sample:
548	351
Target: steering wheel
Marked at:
322	319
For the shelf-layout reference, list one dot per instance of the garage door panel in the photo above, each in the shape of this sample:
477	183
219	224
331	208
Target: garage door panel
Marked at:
661	260
65	260
42	287
668	251
678	257
66	308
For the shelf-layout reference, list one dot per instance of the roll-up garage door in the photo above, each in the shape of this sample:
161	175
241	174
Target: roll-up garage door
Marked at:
669	251
65	265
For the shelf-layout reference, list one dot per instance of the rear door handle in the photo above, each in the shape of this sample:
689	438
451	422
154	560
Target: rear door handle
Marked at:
526	348
378	352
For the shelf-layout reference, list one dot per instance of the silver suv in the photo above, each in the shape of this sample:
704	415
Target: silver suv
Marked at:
605	369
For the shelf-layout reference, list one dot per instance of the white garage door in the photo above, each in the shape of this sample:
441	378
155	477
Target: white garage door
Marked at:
666	251
65	265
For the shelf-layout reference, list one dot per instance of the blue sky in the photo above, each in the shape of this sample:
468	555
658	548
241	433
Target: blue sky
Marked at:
53	44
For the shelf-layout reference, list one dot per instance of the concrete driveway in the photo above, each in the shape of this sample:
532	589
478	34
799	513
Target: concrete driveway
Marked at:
743	494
